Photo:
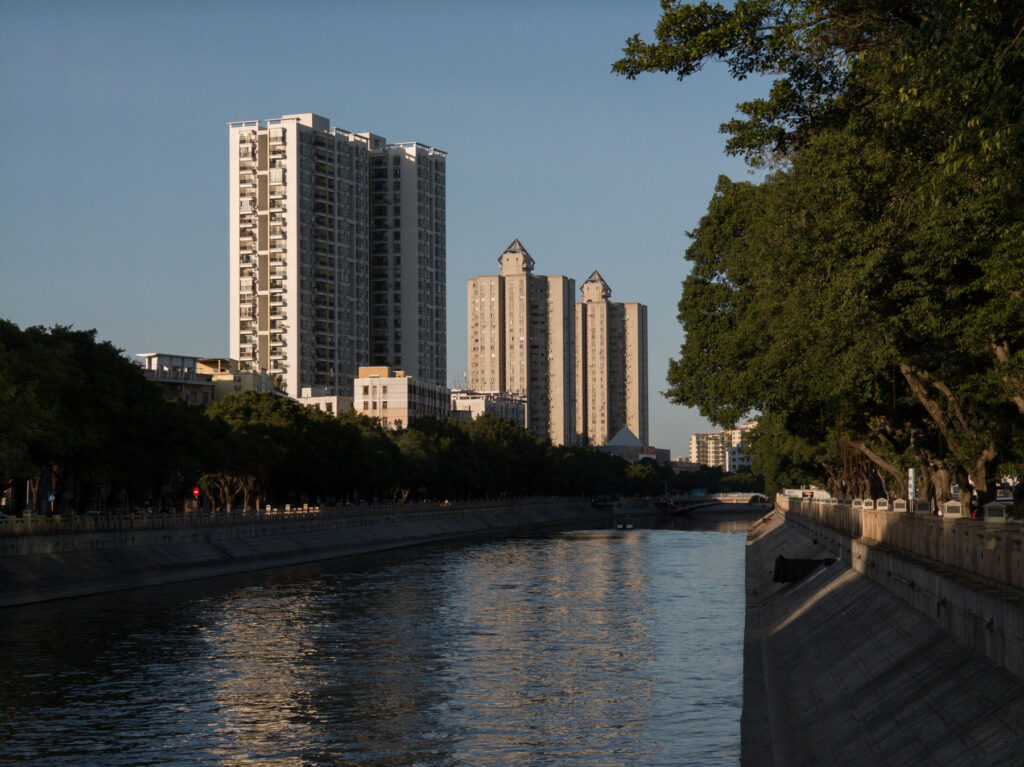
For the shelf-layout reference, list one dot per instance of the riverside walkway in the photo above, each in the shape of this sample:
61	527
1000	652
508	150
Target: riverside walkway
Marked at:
52	558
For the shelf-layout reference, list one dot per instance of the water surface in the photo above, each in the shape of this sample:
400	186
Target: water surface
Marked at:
586	647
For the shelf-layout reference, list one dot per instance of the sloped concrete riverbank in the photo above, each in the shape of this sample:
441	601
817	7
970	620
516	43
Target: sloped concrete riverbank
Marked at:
39	567
840	671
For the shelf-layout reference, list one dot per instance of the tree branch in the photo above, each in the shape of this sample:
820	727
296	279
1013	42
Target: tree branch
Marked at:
930	405
1001	351
887	466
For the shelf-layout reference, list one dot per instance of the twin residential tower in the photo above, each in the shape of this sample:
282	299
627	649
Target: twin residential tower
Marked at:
337	250
582	366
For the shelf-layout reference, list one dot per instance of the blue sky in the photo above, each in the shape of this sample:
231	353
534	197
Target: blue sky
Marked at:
113	172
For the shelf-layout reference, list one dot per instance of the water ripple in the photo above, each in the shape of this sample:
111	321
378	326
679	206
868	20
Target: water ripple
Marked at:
589	648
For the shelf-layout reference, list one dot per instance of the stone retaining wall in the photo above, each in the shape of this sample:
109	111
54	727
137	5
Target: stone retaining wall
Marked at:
38	567
840	670
957	573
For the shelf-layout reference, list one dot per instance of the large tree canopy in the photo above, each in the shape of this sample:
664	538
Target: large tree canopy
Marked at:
867	297
78	418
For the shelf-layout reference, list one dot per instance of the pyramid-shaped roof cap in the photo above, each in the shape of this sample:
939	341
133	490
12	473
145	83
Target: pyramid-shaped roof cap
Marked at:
625	438
595	288
515	258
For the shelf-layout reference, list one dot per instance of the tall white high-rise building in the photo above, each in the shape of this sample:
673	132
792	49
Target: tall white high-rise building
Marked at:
408	316
337	244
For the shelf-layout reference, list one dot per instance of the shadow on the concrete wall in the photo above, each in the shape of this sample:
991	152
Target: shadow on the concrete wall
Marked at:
854	676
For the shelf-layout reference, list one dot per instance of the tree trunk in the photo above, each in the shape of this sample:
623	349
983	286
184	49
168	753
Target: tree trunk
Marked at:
941	481
981	463
981	474
964	480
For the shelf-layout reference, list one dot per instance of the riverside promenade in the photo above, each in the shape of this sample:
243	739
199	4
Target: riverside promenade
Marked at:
52	558
892	655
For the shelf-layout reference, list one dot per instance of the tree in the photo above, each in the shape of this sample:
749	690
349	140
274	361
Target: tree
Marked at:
80	415
867	294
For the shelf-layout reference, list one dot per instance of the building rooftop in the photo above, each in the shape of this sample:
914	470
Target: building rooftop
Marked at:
624	437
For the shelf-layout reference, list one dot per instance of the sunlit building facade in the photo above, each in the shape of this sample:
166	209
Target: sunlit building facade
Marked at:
395	399
521	340
611	365
337	248
712	449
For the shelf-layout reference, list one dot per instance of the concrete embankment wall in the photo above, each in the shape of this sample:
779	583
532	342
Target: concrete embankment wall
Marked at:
841	669
39	567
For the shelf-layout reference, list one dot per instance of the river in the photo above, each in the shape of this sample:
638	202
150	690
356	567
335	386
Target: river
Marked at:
596	647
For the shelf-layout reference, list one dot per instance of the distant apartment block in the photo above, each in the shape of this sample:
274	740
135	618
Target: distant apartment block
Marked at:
395	399
228	379
707	449
324	399
337	253
473	404
684	464
611	365
712	449
521	340
738	459
201	380
179	377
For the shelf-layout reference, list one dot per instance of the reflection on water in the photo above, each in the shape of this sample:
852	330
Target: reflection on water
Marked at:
588	647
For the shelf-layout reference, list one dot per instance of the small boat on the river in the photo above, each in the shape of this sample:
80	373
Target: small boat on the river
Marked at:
607	502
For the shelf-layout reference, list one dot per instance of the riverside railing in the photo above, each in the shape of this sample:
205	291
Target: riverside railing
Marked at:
992	547
380	513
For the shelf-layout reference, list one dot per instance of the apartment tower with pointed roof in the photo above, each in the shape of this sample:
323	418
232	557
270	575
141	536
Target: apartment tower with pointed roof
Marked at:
611	365
520	340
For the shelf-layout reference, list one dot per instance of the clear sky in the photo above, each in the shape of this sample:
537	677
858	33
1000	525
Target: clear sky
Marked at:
114	151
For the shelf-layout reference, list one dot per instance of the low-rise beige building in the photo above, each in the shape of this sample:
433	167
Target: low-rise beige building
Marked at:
397	400
325	399
521	339
228	379
611	365
179	377
511	407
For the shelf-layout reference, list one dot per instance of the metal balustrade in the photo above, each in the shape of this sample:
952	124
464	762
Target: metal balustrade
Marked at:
379	513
